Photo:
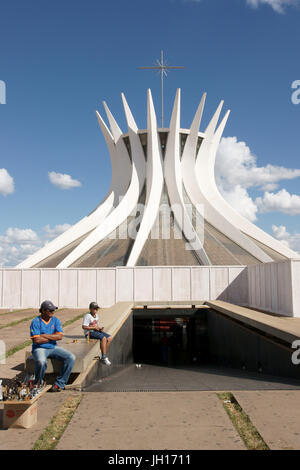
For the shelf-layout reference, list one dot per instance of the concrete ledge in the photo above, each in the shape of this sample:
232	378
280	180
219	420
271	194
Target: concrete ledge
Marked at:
120	353
287	329
171	303
86	377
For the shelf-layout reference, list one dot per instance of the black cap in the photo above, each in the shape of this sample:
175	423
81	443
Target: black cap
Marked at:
93	305
47	305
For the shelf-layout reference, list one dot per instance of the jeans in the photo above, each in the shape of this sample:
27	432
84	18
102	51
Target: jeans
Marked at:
41	355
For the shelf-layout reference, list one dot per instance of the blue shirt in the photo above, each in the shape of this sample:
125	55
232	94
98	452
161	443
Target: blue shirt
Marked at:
39	326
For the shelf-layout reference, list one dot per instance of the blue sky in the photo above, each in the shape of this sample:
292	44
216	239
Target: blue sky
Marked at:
60	59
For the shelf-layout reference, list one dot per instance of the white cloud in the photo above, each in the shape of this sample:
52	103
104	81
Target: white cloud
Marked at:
280	232
277	5
55	231
235	164
17	244
6	182
240	200
20	235
63	181
281	201
236	171
291	241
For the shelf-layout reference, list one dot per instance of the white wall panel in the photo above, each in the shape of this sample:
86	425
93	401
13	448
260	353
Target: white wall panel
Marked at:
162	284
68	288
181	283
296	287
87	287
257	286
30	288
219	280
50	285
12	288
262	286
200	283
284	288
238	286
106	287
268	287
143	284
251	284
274	287
124	284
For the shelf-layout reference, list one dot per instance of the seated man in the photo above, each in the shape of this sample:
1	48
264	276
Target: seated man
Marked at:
45	330
90	325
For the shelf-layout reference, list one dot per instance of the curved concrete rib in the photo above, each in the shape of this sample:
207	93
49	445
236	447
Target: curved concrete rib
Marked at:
173	177
194	190
190	147
128	203
206	181
137	151
119	183
155	179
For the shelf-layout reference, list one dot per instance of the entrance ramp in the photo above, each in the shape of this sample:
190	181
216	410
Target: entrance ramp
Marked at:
282	328
254	340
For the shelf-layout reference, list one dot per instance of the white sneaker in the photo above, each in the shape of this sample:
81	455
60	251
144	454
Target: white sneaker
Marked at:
106	361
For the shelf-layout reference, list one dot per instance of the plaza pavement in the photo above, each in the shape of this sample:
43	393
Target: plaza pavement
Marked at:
153	420
164	420
276	415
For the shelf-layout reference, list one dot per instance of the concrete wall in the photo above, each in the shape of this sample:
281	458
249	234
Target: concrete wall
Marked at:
20	288
295	268
275	287
253	351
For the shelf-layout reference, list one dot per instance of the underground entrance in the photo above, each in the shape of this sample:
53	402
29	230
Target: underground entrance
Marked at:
170	337
194	349
204	337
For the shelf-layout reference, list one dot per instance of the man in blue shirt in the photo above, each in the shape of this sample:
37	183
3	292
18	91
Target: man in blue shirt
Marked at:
45	331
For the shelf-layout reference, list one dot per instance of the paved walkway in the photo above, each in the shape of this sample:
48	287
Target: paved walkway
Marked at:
157	420
164	420
6	318
275	414
158	378
13	311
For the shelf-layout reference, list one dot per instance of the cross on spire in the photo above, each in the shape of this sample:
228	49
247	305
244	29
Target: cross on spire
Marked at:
163	69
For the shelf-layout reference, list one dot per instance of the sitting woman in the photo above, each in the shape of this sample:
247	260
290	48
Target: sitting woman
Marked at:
90	326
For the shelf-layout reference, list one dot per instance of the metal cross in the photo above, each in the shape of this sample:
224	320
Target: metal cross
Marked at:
163	68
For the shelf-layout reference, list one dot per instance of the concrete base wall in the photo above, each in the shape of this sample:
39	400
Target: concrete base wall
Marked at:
75	288
275	287
271	287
